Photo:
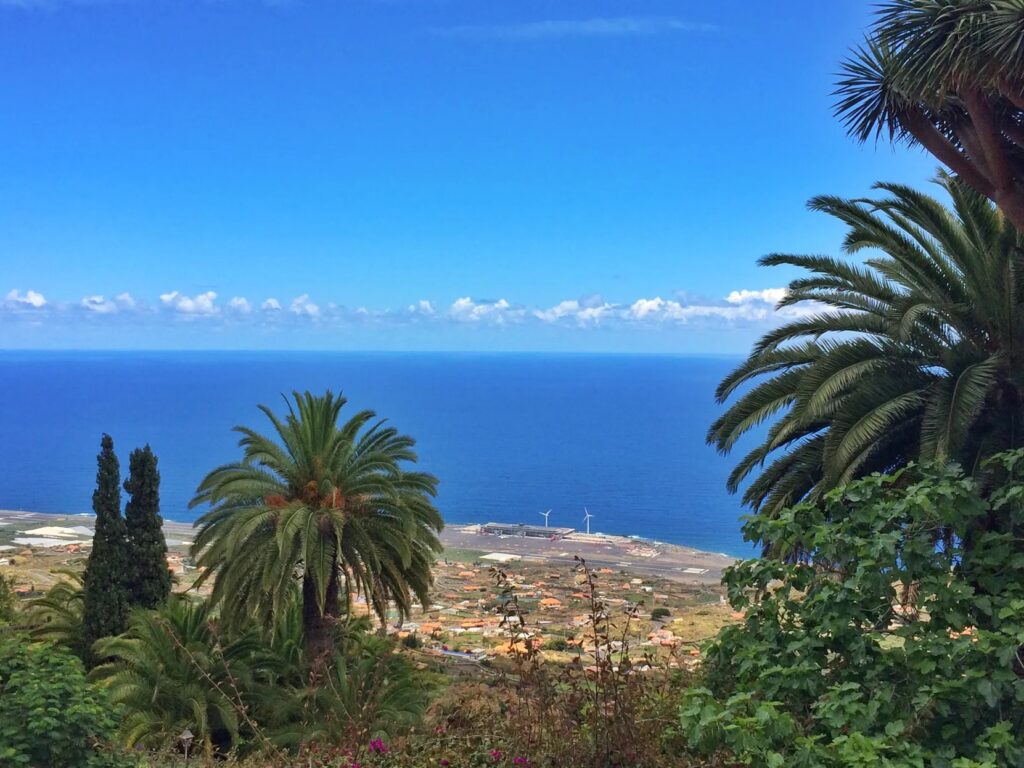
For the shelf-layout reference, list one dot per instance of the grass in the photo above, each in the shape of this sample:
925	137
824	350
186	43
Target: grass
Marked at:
458	555
701	623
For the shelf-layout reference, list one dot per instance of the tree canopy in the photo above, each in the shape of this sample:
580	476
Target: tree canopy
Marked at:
106	600
149	580
56	616
326	508
244	690
898	642
948	76
912	354
50	715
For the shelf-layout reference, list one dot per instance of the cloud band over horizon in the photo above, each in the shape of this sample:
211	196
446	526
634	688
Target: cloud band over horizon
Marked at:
744	307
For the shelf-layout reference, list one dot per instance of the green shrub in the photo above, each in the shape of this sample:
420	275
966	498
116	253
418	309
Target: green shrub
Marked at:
6	600
249	691
556	644
50	715
56	616
369	692
895	640
412	640
171	670
660	613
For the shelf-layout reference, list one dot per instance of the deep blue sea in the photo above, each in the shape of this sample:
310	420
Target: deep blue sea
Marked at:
509	435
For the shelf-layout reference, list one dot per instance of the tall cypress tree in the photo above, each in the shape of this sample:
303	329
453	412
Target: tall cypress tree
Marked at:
105	608
149	579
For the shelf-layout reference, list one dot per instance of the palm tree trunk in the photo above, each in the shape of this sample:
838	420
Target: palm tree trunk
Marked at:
319	628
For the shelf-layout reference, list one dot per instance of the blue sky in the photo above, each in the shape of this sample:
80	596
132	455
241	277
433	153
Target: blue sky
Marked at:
417	174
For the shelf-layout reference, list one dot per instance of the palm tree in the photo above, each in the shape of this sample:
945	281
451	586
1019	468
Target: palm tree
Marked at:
913	354
328	509
948	77
243	690
172	670
57	616
370	692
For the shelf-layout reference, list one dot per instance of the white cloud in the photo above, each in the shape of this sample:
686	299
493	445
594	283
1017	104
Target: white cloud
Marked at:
466	310
582	313
422	307
101	305
98	304
659	310
561	310
768	295
27	300
750	307
201	304
557	29
642	308
240	305
742	308
593	315
125	301
301	305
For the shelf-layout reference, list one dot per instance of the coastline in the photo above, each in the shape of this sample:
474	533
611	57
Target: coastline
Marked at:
643	556
460	626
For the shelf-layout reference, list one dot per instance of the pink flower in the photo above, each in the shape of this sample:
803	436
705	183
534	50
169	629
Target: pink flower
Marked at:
378	745
496	755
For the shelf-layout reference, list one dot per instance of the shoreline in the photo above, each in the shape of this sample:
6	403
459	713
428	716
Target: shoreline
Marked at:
610	551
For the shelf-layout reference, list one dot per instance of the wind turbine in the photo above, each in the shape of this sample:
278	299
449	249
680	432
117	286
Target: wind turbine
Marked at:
586	519
545	515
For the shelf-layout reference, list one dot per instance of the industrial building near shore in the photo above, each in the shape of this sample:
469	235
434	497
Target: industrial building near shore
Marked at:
522	529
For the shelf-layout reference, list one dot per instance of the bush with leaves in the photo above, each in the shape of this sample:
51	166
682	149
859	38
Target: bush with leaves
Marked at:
56	616
606	708
50	715
369	692
7	600
250	690
171	670
896	640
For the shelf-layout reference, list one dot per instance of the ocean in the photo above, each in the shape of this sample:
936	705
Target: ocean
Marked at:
509	435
